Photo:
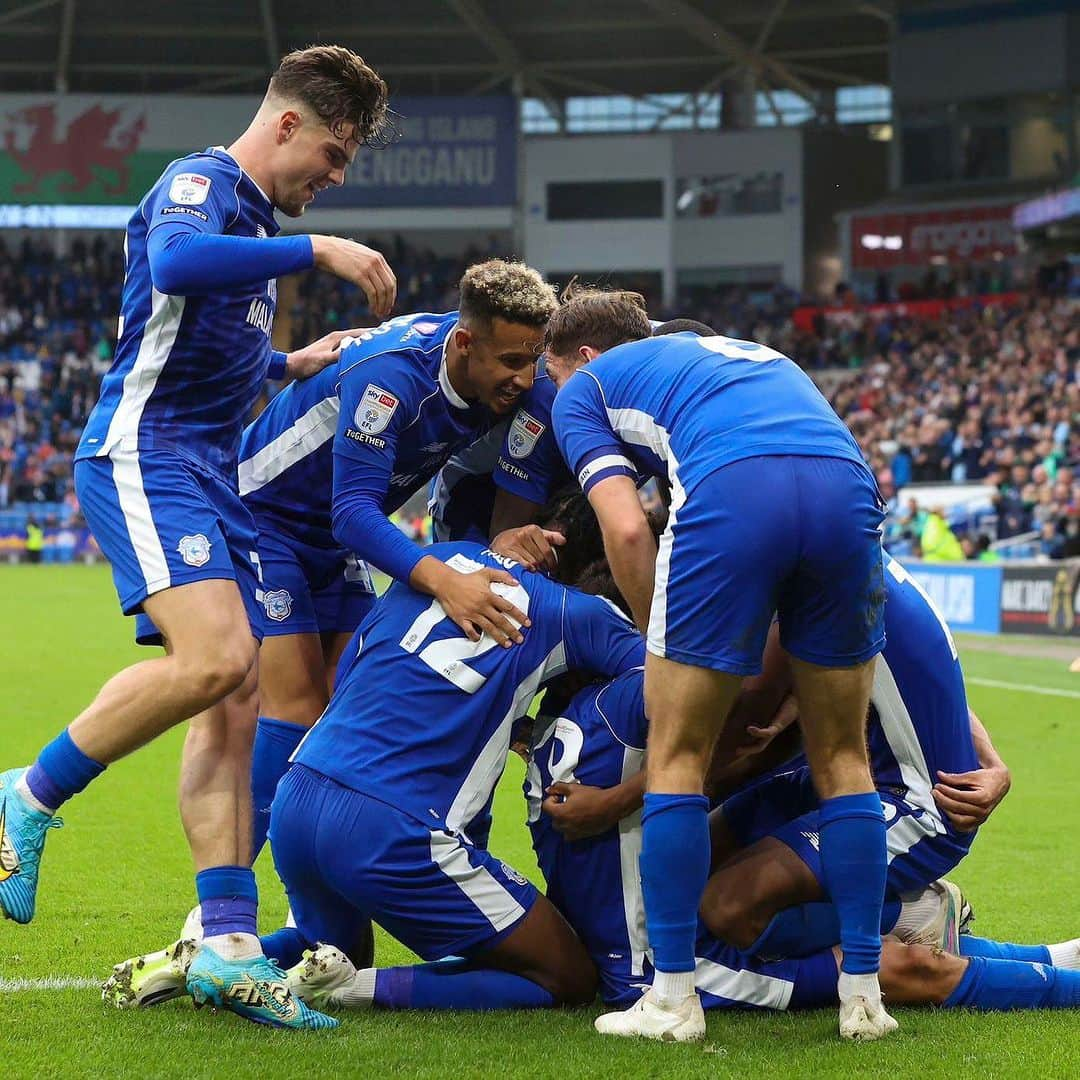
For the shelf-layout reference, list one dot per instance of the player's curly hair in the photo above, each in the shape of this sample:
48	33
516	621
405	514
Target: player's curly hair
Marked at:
507	290
341	89
601	318
569	512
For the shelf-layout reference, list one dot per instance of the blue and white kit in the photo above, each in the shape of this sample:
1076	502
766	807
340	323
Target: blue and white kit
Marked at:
156	467
772	507
600	740
329	458
376	816
919	724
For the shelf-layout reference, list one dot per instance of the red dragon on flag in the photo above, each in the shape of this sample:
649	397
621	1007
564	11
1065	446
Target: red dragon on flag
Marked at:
96	141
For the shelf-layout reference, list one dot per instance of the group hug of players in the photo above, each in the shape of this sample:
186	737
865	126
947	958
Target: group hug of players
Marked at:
753	762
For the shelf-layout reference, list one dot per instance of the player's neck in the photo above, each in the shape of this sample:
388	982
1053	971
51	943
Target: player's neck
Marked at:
246	152
457	371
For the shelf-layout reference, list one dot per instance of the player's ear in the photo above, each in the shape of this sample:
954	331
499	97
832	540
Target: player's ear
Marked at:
288	123
587	353
463	338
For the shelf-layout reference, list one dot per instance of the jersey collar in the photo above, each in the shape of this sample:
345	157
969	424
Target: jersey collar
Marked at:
222	150
449	392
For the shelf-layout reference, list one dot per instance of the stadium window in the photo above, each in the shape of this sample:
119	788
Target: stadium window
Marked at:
536	118
863	104
585	200
792	109
599	113
729	194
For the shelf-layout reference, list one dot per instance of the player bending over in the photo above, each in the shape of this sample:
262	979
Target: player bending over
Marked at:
155	474
772	509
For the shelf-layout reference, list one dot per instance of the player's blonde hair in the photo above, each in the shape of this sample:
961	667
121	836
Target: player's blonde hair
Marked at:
598	317
340	88
506	290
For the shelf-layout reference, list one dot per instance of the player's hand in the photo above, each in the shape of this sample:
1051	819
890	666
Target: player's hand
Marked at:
311	359
969	798
471	602
359	264
578	811
756	738
531	546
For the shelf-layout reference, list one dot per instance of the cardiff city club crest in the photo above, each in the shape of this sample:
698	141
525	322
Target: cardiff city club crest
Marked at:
278	603
375	409
524	432
194	550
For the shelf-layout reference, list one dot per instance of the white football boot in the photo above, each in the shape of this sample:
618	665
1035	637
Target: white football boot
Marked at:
647	1019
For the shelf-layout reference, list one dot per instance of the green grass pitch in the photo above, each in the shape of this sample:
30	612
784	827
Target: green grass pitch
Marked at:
117	881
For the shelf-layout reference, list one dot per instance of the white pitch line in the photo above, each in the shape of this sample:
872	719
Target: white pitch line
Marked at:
1026	687
61	982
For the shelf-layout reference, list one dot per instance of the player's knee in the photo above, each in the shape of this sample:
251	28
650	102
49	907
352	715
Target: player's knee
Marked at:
220	671
576	984
728	917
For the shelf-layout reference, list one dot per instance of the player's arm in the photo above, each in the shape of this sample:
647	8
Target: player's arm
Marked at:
189	252
363	464
595	456
969	798
628	542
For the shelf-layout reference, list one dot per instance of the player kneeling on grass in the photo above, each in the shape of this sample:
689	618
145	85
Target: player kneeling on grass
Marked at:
385	811
598	744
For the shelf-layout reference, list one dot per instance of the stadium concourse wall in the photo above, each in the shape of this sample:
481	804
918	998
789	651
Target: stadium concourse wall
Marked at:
1019	597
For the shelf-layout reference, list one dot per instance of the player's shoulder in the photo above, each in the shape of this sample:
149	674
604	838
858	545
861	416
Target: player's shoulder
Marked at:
406	350
197	177
620	706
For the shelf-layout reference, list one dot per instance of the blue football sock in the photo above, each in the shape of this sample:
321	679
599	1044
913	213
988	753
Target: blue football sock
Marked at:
674	866
452	984
815	982
1003	950
994	985
228	898
61	770
854	866
286	946
808	928
275	742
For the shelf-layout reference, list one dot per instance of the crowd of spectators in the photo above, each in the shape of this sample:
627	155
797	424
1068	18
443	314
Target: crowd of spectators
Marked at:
57	333
984	395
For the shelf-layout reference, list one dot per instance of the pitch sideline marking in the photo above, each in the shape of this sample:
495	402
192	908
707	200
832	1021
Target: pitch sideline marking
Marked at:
61	982
1027	687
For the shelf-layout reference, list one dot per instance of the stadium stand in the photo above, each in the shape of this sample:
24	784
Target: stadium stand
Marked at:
983	396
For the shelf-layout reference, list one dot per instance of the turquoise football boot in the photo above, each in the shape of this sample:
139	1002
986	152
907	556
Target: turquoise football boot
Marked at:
22	837
255	989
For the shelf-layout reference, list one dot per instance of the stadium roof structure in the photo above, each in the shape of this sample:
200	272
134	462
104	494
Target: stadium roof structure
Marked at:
550	51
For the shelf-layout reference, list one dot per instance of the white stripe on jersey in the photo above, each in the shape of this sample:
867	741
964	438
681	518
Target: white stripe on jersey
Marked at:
295	443
900	734
493	901
489	763
656	631
750	987
158	338
139	520
630	872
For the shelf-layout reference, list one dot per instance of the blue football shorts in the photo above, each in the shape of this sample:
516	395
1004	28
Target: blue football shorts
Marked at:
161	521
344	856
921	846
798	537
310	590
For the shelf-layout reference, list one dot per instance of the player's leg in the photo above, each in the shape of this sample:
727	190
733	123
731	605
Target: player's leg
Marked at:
920	975
831	614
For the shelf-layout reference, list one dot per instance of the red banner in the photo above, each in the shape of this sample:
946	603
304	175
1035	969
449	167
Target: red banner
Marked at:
803	317
918	238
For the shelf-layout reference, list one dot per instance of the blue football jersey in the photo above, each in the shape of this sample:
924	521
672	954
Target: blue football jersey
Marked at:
683	406
519	455
188	369
595	883
918	708
421	716
384	417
